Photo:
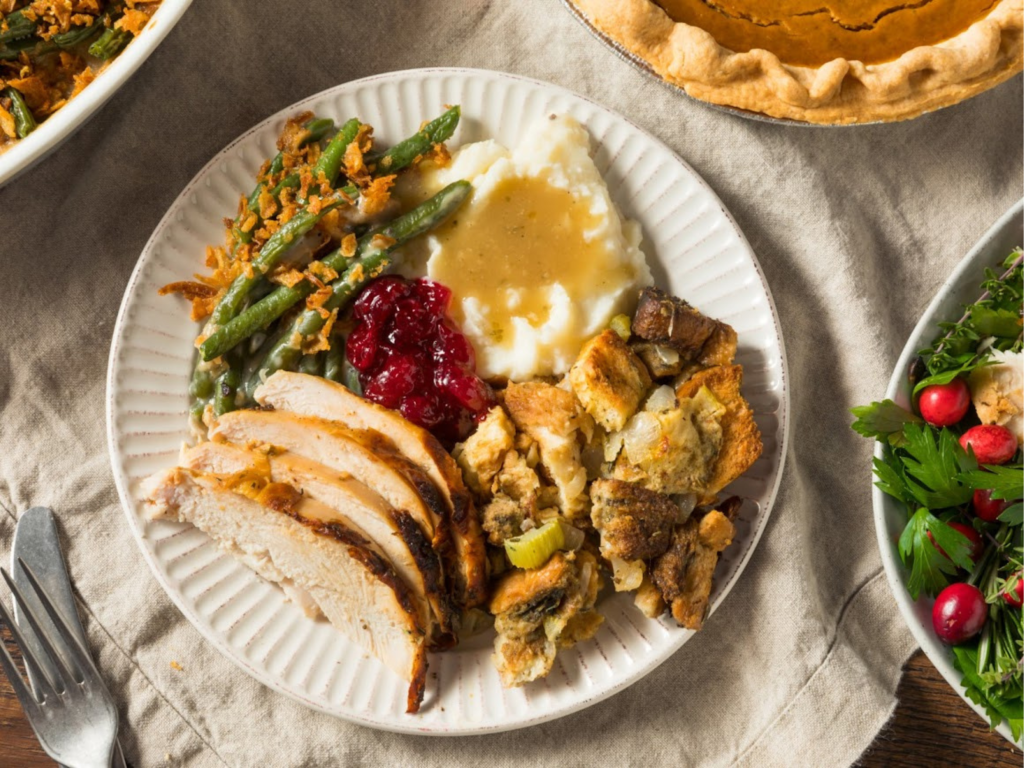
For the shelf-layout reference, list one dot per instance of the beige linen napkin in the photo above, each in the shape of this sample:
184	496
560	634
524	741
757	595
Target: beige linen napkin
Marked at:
855	228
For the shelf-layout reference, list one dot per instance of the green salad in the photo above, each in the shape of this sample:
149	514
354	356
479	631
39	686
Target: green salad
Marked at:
954	462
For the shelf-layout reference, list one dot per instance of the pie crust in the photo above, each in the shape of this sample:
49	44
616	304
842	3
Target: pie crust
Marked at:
920	79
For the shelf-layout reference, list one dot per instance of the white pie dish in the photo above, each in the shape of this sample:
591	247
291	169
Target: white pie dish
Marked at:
962	287
69	118
700	255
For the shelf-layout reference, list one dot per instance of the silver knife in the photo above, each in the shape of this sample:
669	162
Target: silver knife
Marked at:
37	543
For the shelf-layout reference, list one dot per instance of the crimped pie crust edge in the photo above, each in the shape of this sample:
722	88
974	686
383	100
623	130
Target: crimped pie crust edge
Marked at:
839	92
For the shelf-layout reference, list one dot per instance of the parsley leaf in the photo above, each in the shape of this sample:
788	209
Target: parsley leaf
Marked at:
937	462
889	472
929	568
1005	481
883	421
1013	515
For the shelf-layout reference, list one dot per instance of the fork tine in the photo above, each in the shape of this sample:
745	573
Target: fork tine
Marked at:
28	701
59	663
26	652
86	666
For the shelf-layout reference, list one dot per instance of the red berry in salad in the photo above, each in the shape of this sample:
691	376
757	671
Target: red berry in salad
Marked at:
991	443
943	405
987	508
1014	592
959	613
977	543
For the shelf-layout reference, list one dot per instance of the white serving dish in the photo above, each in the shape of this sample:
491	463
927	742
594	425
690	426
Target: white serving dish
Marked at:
69	118
700	254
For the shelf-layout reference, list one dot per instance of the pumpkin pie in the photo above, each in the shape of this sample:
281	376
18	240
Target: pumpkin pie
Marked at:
821	61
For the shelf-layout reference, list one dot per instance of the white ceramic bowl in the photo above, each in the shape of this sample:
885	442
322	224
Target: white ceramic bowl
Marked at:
66	120
961	288
695	251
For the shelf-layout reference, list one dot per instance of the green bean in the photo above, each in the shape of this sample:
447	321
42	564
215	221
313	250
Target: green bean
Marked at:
398	157
279	243
18	27
77	35
110	43
33	46
198	408
334	361
285	354
317	129
24	121
350	378
254	318
201	388
269	255
227	386
404	153
329	163
313	365
263	312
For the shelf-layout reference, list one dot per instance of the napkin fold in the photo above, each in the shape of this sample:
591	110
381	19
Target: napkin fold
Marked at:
855	228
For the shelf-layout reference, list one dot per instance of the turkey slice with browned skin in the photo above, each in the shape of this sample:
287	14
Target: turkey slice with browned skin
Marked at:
285	537
366	455
313	396
399	537
363	455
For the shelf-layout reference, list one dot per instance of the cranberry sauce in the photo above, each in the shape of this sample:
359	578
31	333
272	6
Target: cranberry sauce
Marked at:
412	358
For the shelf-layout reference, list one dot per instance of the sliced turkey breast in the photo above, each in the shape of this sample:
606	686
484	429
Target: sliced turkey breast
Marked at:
399	537
367	456
286	537
313	396
363	455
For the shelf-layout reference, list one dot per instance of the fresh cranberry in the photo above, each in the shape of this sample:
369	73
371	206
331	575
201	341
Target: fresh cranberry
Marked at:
1014	592
943	405
977	543
361	347
959	613
991	443
987	508
435	297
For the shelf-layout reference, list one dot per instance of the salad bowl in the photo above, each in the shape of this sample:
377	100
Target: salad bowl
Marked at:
890	515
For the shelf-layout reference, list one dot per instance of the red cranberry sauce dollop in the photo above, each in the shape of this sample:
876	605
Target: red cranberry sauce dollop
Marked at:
412	358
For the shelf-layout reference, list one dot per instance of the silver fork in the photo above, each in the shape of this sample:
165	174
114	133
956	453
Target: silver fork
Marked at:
74	718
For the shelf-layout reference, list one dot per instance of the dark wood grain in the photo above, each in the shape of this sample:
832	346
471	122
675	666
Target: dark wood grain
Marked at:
18	745
932	726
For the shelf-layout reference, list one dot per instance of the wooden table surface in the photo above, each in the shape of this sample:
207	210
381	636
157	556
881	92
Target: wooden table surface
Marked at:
932	726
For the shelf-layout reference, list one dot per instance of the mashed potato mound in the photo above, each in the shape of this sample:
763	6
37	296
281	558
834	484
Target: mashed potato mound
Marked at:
538	260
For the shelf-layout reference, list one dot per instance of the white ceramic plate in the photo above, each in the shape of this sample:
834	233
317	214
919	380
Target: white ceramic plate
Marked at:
73	115
695	250
961	288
